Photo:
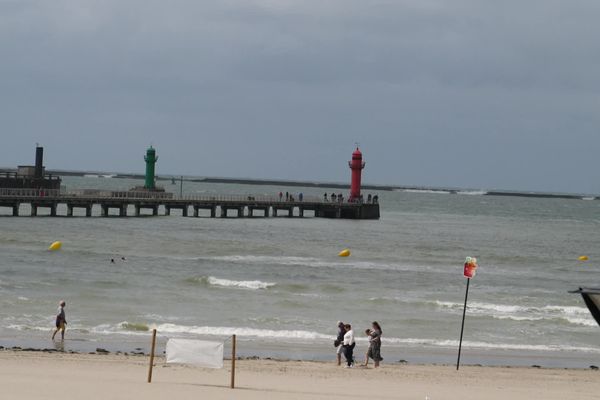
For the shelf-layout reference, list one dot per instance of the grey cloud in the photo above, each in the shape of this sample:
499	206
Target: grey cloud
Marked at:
460	93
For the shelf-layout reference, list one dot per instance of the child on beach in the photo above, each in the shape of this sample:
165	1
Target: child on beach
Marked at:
368	333
61	320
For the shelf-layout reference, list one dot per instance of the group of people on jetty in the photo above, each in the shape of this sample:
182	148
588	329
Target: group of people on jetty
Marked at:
345	343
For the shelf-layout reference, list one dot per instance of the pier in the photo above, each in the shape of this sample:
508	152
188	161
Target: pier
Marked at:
130	203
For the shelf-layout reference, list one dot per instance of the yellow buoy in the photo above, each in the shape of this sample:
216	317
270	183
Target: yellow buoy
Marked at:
344	253
583	258
55	246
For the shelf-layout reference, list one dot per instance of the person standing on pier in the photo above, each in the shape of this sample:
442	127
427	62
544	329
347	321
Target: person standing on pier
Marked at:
280	196
61	320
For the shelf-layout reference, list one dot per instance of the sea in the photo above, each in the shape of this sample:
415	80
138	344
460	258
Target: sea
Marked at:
279	285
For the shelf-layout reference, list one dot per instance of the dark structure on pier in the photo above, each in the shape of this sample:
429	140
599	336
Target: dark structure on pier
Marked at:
31	176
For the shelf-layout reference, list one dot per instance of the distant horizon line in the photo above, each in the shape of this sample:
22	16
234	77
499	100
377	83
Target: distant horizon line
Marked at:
323	184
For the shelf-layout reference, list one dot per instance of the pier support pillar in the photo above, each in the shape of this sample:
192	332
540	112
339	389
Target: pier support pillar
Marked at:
69	210
16	210
213	212
301	212
240	212
53	210
184	211
196	212
88	211
267	212
274	212
223	212
167	210
123	210
103	210
137	210
250	212
33	210
338	212
155	211
290	212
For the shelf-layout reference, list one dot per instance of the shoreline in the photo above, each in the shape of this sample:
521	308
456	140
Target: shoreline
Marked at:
253	350
27	375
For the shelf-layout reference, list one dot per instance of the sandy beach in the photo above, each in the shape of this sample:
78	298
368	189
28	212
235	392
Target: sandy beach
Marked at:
35	375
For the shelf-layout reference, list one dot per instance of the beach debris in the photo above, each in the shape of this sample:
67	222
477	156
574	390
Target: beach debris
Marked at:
583	258
594	367
102	351
55	246
344	253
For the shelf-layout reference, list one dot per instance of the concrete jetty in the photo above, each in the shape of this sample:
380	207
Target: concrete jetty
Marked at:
130	203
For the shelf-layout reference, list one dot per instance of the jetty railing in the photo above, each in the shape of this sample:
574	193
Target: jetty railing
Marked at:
26	193
103	194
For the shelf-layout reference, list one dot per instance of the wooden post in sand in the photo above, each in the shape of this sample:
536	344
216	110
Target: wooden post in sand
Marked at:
462	328
232	362
152	355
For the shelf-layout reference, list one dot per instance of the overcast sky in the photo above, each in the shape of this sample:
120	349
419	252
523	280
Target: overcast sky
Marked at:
478	94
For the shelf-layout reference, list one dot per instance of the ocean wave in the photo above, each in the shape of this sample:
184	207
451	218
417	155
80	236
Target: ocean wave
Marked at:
305	336
310	336
227	283
311	262
472	192
571	314
242	332
135	327
425	191
487	345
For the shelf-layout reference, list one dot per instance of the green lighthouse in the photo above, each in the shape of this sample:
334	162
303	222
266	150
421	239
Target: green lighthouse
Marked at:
151	158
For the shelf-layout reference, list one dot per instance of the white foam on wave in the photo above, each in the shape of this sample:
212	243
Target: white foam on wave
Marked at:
312	336
573	315
486	345
242	332
472	192
425	191
254	285
312	262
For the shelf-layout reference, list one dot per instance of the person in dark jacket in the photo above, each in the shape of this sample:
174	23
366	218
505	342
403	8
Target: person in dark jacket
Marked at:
339	342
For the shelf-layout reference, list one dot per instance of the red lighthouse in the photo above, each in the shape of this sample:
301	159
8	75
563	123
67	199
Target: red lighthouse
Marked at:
356	165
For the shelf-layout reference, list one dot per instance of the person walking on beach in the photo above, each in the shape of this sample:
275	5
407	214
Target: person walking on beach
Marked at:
349	344
374	351
61	320
339	342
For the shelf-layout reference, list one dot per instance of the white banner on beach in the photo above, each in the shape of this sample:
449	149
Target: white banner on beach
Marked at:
202	353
